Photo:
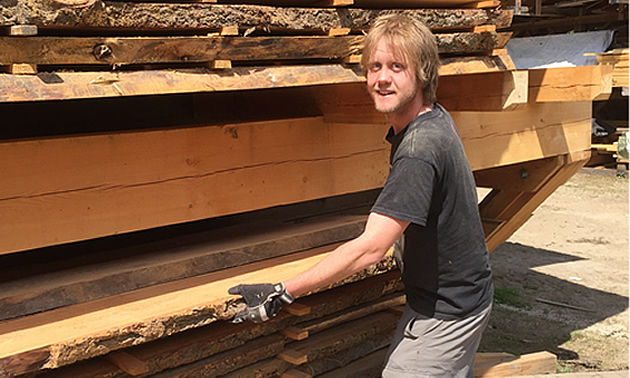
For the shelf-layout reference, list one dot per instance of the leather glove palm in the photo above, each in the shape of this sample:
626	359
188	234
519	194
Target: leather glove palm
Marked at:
263	301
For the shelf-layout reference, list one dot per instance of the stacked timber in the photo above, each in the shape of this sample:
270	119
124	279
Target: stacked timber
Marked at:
159	153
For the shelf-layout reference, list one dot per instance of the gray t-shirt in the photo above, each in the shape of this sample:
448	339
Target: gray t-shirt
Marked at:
446	270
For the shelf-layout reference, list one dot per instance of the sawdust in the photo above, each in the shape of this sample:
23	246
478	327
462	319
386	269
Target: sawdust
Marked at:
568	268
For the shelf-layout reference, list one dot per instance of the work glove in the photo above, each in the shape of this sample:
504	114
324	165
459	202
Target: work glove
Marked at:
263	301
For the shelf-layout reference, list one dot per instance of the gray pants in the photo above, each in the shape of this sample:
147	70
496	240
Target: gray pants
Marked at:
427	347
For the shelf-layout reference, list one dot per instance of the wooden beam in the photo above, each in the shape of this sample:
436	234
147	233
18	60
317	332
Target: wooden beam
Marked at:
583	83
524	210
522	177
493	139
494	91
95	328
80	187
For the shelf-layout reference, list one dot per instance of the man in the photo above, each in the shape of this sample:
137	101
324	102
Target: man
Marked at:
430	196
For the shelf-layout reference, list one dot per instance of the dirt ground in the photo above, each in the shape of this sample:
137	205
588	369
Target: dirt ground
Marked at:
574	252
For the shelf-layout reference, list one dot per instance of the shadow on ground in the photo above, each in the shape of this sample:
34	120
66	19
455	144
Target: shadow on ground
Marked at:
521	324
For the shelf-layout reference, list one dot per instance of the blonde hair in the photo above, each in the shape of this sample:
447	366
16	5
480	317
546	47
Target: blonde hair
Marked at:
412	41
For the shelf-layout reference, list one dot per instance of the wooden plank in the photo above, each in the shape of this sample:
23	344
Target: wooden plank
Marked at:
19	69
140	265
67	183
293	357
294	333
368	366
334	340
584	83
319	325
228	361
348	356
150	50
173	16
66	335
81	85
527	364
218	337
19	30
127	362
189	49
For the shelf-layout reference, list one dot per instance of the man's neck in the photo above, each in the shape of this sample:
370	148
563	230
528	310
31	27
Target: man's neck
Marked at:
400	121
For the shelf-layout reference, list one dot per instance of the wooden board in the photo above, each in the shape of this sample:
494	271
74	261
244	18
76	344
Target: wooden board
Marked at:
83	85
219	337
136	266
177	16
64	336
339	338
154	50
79	187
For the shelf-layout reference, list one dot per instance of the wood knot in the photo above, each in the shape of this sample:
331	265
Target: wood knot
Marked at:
102	51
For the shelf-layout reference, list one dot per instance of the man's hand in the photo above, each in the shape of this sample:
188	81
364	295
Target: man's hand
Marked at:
263	301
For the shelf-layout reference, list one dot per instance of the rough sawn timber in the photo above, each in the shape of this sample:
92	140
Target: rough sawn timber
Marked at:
70	334
155	50
219	337
141	265
123	15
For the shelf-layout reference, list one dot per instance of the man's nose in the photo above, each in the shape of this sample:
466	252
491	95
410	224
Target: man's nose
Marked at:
384	76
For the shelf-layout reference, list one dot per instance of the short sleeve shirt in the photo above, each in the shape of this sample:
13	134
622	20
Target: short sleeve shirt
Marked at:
446	270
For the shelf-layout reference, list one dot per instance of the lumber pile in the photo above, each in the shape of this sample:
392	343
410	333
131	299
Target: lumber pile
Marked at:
161	152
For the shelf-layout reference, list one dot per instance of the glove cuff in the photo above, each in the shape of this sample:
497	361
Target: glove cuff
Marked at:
284	296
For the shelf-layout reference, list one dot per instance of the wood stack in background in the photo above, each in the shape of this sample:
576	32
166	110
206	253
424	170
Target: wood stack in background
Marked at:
155	154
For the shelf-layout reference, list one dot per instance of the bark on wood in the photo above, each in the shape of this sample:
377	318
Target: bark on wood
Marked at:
219	337
82	85
123	15
64	336
167	260
154	50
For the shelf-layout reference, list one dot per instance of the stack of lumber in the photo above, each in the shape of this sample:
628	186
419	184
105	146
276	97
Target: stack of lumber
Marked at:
618	58
162	152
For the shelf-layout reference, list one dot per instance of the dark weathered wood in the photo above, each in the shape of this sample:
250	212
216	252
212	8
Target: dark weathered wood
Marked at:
70	334
124	15
137	266
152	50
218	337
345	357
223	363
147	50
334	340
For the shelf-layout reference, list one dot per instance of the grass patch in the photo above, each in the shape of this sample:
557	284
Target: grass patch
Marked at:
509	296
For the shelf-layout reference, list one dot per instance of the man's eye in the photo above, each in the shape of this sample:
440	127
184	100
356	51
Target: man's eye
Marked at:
398	67
375	66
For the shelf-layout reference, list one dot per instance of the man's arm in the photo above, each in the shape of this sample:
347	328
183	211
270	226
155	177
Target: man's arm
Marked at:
264	301
368	248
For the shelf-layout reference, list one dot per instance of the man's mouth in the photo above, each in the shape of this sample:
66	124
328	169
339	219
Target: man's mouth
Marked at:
384	93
